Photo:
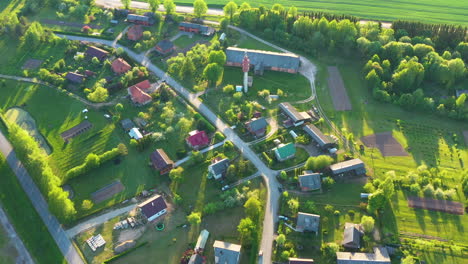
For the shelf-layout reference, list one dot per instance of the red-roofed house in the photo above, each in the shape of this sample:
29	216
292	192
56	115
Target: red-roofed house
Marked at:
139	92
120	66
197	139
135	32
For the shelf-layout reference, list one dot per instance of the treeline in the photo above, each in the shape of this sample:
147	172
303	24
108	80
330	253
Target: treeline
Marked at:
329	16
35	161
443	35
93	161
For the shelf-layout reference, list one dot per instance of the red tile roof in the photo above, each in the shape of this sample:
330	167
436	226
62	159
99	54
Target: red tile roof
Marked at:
198	138
120	66
139	96
144	85
135	32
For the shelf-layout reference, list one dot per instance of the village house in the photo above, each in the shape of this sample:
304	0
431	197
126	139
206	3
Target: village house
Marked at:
135	133
218	168
139	93
95	52
310	181
161	162
75	77
140	20
153	208
349	168
307	223
135	32
201	241
257	126
263	60
196	28
380	256
197	139
300	261
284	152
294	117
325	142
127	124
164	47
352	236
226	253
120	66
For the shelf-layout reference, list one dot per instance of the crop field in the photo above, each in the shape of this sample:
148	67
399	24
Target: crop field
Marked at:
433	11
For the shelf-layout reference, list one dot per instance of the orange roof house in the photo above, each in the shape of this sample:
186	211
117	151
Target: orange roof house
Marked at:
120	66
135	32
139	93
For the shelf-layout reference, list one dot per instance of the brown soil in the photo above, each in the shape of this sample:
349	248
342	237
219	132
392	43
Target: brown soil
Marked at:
107	192
386	143
338	92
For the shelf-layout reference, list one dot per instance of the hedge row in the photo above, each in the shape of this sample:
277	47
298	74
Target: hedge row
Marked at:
114	258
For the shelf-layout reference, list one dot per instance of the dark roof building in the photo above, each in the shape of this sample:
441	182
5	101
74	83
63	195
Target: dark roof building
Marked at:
226	253
141	20
298	118
257	126
380	256
153	207
318	136
164	47
197	139
76	130
353	167
161	161
127	124
100	54
307	222
300	261
135	32
218	168
75	77
310	181
351	237
196	28
263	60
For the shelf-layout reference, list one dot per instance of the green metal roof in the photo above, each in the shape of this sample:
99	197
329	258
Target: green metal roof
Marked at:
286	150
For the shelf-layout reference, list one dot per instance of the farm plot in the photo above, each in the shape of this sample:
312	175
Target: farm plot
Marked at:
31	64
386	143
25	120
107	191
337	88
436	205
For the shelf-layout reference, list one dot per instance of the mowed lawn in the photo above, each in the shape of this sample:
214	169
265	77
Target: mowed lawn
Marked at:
433	11
25	219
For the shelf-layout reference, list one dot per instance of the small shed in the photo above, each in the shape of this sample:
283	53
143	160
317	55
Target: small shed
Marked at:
201	241
135	133
127	124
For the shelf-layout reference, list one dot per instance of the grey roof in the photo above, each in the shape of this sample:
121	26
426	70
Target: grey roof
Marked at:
127	124
264	58
310	180
226	253
292	112
195	259
307	222
317	135
220	167
256	124
349	165
138	18
203	29
351	237
165	44
380	256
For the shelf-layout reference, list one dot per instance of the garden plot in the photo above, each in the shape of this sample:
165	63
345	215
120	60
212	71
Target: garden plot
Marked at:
25	120
386	143
436	205
338	92
107	192
31	64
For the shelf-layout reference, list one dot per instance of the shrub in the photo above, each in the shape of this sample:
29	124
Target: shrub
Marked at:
228	89
351	213
429	190
219	136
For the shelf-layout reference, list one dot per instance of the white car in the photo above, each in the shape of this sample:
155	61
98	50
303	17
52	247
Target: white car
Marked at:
107	116
225	188
283	218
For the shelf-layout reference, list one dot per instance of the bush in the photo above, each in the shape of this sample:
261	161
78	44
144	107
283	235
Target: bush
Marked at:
219	136
114	258
228	89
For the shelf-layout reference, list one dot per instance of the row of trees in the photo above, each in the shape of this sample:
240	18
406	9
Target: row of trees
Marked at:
36	162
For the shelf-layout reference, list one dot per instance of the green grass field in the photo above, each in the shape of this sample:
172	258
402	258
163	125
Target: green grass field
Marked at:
25	219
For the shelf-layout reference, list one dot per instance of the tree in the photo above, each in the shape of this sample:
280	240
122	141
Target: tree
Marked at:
217	56
33	36
329	251
228	89
388	188
187	70
377	200
293	205
118	108
100	94
176	174
213	73
280	239
194	218
247	230
318	163
87	205
183	125
154	5
278	8
126	3
408	260
246	6
292	12
367	223
253	208
199	8
169	6
230	9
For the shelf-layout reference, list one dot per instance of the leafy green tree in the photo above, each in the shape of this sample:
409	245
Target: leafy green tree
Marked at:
253	208
228	89
154	5
118	108
60	205
408	260
187	71
388	188
169	6
33	36
213	73
377	200
230	9
218	57
292	11
87	205
194	218
318	163
199	8
329	251
176	174
100	94
367	223
245	6
126	3
247	231
277	8
293	205
280	239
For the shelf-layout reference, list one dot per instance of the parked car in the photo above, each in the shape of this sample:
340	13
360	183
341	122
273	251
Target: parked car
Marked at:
225	187
281	217
107	116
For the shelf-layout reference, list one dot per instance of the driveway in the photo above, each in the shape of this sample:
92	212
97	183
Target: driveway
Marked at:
65	245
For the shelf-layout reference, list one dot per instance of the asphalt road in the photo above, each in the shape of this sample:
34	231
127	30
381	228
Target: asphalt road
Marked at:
65	245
